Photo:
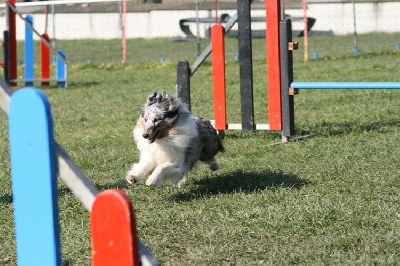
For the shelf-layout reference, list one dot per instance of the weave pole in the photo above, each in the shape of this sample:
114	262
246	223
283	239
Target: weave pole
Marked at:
218	76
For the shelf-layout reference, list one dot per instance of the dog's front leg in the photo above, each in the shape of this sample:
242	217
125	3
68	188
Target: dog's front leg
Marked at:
165	170
140	170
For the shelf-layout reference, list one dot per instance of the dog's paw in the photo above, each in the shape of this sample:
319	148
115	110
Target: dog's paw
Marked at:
180	183
214	165
131	179
154	181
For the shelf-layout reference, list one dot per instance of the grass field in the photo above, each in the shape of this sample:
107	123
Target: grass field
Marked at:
330	199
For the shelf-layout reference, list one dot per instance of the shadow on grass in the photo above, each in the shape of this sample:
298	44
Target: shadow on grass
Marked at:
83	84
345	128
119	184
240	181
6	198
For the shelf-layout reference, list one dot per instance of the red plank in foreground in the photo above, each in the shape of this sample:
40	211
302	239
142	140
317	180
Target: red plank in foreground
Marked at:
113	229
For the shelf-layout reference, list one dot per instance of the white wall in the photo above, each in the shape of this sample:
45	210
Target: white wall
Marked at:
338	17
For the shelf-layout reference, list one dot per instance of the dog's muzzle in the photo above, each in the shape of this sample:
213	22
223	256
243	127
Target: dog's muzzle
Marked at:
150	139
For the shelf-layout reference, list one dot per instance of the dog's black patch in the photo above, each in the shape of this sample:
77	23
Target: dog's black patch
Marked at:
172	113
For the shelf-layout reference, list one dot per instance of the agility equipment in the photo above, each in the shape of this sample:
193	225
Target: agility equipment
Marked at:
34	175
243	17
10	53
281	88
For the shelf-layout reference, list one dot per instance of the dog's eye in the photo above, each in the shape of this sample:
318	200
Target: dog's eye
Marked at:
156	120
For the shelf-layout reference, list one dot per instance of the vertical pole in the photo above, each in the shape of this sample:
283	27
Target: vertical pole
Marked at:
7	59
53	41
46	18
287	98
355	29
218	76
45	60
305	25
12	42
124	32
34	179
282	9
29	53
61	73
273	11
216	11
198	29
246	63
113	230
183	81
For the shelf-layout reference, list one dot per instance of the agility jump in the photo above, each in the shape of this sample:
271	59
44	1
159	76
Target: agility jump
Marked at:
34	153
281	88
243	17
10	53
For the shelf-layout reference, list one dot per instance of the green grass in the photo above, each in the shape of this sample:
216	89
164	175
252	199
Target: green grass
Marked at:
332	198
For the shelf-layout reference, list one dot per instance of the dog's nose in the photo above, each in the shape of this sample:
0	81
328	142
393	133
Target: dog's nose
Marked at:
145	135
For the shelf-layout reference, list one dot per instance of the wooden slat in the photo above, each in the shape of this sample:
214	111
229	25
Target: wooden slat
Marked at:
218	76
273	11
34	179
113	230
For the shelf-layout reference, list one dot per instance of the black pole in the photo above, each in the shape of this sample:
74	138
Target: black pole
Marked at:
246	63
286	60
183	81
6	51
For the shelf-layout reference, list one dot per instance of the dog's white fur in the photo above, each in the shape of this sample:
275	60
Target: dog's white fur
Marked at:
170	146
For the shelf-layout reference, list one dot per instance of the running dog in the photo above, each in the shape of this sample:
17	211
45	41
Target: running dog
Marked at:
170	141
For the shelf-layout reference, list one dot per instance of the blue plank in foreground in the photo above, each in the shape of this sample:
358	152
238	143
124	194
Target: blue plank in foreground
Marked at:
345	85
34	179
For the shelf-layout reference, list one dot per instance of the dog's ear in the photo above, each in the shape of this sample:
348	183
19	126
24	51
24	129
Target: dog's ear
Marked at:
159	98
152	98
165	94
